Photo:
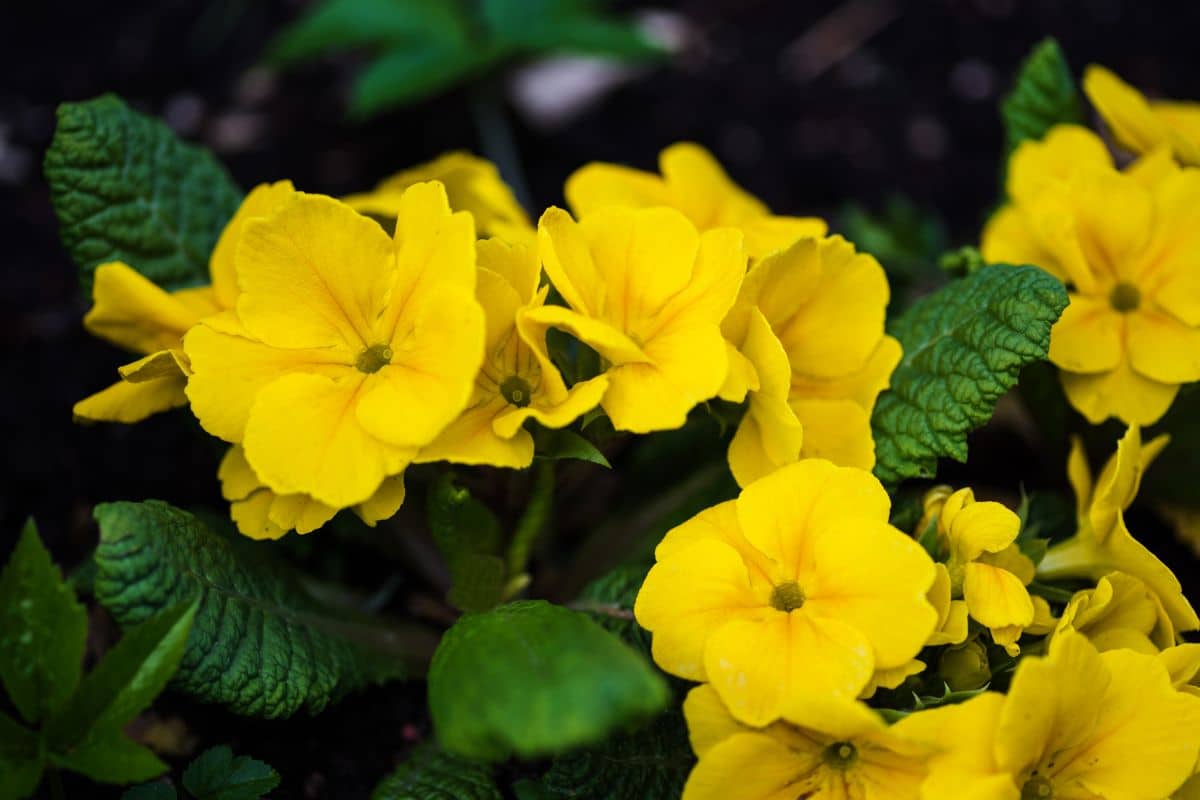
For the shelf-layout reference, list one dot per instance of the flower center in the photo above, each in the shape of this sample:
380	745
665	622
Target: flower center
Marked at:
374	358
516	391
841	755
1037	788
787	596
1125	297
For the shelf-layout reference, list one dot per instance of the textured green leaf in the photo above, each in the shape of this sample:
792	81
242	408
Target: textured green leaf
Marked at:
111	758
468	536
565	443
412	72
20	759
564	25
532	679
43	629
964	346
343	24
159	790
124	682
126	189
217	775
432	774
261	645
609	601
1043	96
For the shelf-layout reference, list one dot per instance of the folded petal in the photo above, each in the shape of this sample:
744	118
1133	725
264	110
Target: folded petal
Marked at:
1089	336
1162	348
597	185
299	512
751	766
1121	392
261	201
837	430
163	365
131	402
1009	238
1063	151
708	721
995	597
132	312
384	503
1124	109
471	439
861	386
580	399
766	235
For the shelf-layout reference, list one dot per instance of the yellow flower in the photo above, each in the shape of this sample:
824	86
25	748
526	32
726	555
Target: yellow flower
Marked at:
648	293
1120	612
692	182
472	184
798	588
349	351
260	513
829	749
517	382
952	614
1143	125
810	320
132	312
1102	543
1125	245
1183	665
1076	725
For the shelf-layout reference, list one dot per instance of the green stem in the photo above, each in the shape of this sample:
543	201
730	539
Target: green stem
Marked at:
496	137
533	520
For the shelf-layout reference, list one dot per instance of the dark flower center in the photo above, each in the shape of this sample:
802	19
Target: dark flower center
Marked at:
840	755
787	596
1125	297
516	391
1037	788
374	358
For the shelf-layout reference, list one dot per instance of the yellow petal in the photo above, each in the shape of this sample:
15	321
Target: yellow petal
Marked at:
1060	154
261	201
861	386
719	522
384	503
517	264
567	258
471	439
701	188
1122	393
964	766
163	365
131	402
299	512
751	766
766	235
768	437
837	430
1162	348
892	678
1168	270
951	625
995	597
1124	109
580	399
605	339
716	277
250	514
1182	123
708	721
1009	238
1114	216
1088	337
597	185
132	312
741	378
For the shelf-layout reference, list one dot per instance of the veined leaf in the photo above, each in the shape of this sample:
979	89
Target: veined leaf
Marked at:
111	758
564	25
432	774
126	189
414	71
260	645
1043	96
964	346
20	759
560	443
468	536
217	775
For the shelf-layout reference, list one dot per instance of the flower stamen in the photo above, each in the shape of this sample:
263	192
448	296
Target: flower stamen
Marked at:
787	597
1125	297
1037	788
516	391
374	358
840	755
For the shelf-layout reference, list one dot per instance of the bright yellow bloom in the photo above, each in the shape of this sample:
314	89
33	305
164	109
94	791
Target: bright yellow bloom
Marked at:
1120	612
1076	725
693	182
1143	125
1102	543
517	382
349	351
798	588
260	513
952	614
648	293
1183	665
132	312
829	749
810	320
1125	245
472	184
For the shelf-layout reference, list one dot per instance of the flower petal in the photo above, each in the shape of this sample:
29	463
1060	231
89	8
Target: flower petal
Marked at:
132	312
753	766
580	399
299	512
261	201
131	402
1162	348
1089	336
838	430
471	439
1122	393
384	503
995	597
1060	154
709	722
1124	109
598	185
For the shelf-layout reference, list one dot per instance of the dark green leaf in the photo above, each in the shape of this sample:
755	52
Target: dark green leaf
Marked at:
609	601
261	645
343	24
468	536
564	25
564	443
533	679
158	790
906	239
124	682
43	629
111	758
217	775
1172	477
412	72
964	347
1043	96
528	789
431	774
126	189
20	759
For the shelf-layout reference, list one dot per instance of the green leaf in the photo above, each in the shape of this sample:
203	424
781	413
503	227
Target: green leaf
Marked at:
413	72
111	758
344	24
557	444
432	774
43	629
217	775
564	25
609	601
158	790
261	645
20	759
532	679
905	238
468	536
124	682
126	189
1043	96
1172	477
964	346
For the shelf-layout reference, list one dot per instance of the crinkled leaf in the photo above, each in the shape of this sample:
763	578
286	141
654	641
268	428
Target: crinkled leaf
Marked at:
556	444
159	790
532	679
432	774
609	601
111	758
126	189
43	629
261	645
20	759
1043	96
964	346
217	775
564	25
468	536
414	71
343	24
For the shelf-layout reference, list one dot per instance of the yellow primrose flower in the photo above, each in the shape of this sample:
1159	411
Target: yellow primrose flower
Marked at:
1183	665
260	513
810	320
472	184
648	293
1142	125
133	312
829	749
952	614
1102	543
517	382
1074	725
797	588
1124	243
693	182
349	351
1120	612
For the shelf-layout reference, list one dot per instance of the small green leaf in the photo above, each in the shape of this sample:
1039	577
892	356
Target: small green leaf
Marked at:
261	645
1043	96
43	629
532	679
964	347
217	775
564	26
468	536
415	71
158	790
126	189
124	682
432	774
20	759
609	601
111	758
557	444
